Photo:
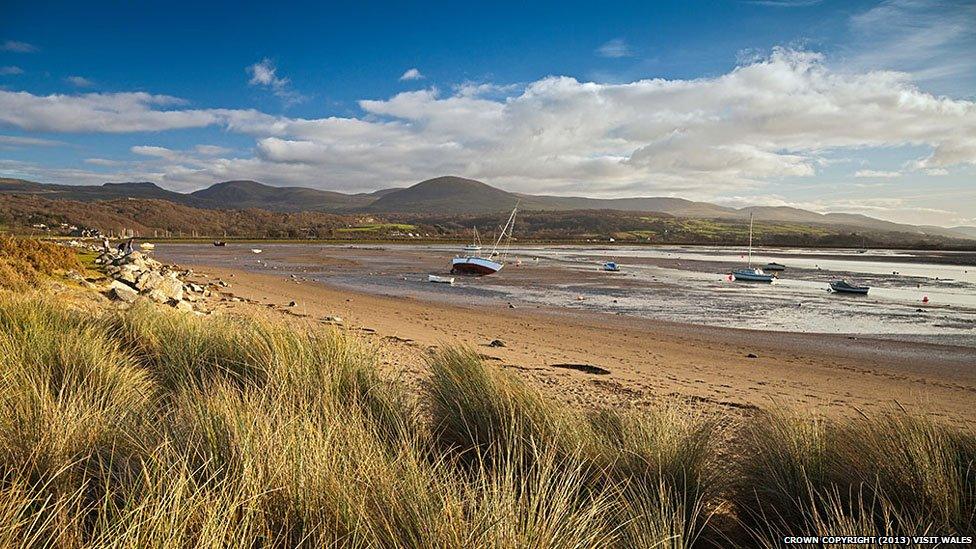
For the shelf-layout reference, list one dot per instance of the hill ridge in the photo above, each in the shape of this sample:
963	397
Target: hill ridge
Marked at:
449	194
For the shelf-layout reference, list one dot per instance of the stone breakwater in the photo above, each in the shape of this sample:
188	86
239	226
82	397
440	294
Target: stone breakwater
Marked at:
135	275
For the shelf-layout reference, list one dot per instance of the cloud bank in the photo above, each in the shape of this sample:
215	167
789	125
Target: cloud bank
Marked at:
771	118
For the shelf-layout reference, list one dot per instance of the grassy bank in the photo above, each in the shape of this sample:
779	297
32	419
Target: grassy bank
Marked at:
25	261
152	428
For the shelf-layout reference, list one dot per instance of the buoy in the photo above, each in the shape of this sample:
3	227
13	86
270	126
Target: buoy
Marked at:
925	299
730	278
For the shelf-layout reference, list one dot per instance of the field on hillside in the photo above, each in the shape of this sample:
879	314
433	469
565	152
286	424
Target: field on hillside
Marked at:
154	218
145	427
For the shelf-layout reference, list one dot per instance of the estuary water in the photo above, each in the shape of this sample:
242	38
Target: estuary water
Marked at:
688	284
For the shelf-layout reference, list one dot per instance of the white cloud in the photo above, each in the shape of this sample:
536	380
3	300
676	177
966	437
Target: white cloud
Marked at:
931	39
101	113
11	70
411	74
777	117
614	48
877	174
79	81
19	141
148	150
19	47
265	74
103	162
211	150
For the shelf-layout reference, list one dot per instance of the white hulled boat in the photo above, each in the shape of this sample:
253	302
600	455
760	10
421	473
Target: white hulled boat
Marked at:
477	264
475	247
750	273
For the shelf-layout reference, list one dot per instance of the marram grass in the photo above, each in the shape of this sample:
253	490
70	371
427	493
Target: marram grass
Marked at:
150	428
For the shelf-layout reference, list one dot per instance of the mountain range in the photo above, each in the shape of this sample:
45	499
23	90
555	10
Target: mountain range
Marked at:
446	195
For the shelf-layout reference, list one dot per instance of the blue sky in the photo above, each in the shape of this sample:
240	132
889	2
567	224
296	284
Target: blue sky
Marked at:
834	106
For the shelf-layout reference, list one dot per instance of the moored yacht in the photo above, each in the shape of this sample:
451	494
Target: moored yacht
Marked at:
750	273
480	265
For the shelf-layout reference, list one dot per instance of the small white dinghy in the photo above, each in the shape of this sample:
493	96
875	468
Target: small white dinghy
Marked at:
256	250
147	246
440	279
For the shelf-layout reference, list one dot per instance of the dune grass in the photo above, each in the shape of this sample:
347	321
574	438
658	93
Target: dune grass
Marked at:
152	428
25	261
889	474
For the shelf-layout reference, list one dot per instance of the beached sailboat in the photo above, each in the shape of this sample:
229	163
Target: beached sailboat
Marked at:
475	245
480	265
845	287
774	267
750	273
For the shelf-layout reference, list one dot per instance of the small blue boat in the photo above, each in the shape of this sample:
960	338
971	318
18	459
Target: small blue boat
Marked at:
752	274
611	266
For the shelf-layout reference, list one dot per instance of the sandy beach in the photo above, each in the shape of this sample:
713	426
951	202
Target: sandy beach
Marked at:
596	359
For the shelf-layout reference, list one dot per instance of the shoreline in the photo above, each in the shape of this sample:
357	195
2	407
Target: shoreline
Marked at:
645	360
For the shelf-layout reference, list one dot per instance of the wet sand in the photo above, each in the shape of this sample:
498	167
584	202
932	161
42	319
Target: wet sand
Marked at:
638	361
674	284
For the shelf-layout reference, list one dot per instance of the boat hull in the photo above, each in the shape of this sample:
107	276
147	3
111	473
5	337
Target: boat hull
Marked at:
440	279
477	266
752	277
859	290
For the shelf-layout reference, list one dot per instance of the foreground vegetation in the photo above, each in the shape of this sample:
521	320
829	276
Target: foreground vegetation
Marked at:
25	262
149	428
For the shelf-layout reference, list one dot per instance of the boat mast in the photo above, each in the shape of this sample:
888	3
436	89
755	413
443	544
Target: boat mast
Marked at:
750	239
509	225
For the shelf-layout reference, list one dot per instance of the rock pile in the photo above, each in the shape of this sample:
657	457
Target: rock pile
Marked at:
136	274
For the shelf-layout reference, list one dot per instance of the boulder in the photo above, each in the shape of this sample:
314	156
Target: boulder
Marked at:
122	292
129	273
148	280
165	287
184	306
157	296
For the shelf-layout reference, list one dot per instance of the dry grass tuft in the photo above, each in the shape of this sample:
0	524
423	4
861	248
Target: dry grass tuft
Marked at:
23	261
149	428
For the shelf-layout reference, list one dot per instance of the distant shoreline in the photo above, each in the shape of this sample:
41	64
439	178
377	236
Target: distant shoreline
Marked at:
519	242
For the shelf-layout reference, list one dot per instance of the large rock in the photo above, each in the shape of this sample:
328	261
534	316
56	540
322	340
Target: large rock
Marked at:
165	287
157	296
130	273
148	281
122	292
